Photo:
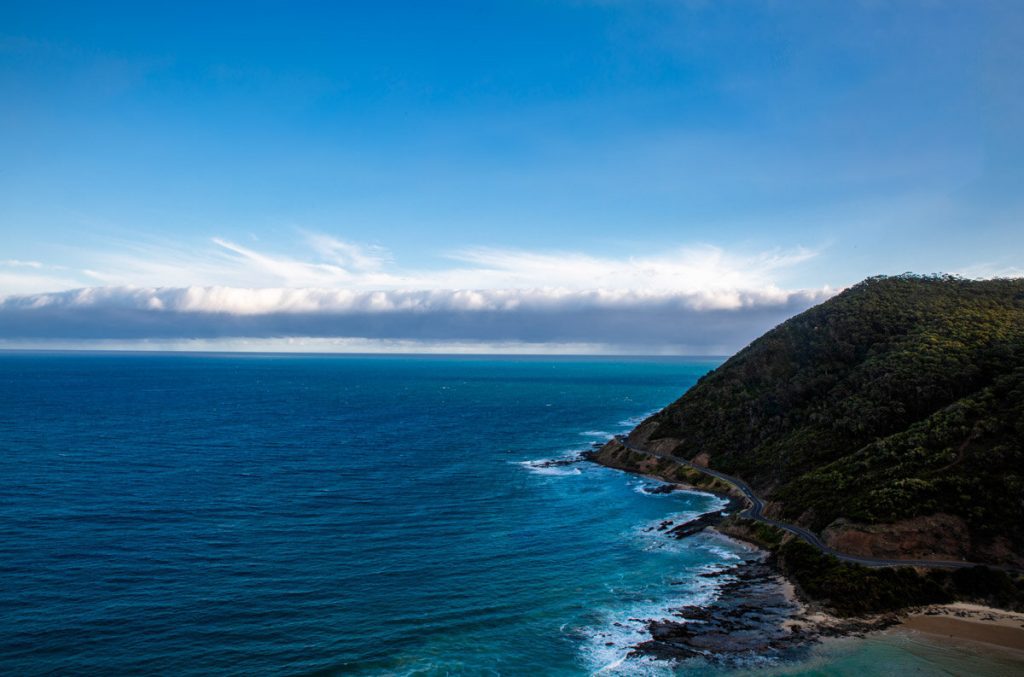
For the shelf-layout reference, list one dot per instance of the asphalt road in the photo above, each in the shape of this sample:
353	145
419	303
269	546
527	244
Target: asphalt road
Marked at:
755	511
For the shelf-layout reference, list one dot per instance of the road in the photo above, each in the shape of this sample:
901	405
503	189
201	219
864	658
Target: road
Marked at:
755	511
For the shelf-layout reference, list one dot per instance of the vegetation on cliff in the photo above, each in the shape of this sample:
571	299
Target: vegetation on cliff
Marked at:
901	397
848	589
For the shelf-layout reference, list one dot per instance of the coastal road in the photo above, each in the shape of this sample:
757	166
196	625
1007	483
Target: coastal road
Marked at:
755	511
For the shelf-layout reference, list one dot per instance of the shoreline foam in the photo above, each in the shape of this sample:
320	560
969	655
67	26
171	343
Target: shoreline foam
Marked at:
973	625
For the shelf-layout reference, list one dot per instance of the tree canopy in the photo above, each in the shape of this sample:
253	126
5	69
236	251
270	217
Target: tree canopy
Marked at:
900	397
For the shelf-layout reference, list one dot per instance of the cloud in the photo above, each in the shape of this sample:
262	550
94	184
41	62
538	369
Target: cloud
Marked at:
330	262
21	276
693	322
692	270
348	254
693	300
990	269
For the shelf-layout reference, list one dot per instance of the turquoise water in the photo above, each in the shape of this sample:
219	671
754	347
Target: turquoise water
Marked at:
240	514
901	652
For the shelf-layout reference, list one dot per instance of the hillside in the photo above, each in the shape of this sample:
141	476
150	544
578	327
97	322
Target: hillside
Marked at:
889	418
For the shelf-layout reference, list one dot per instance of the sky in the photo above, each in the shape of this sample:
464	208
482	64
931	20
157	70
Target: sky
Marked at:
557	176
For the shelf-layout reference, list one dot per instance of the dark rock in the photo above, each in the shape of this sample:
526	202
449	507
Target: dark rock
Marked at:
748	618
697	525
559	462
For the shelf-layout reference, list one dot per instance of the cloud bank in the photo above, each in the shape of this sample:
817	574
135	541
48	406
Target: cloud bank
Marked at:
699	300
705	322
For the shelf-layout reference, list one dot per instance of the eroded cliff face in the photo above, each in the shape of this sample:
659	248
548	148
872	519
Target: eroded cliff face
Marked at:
938	537
641	437
614	455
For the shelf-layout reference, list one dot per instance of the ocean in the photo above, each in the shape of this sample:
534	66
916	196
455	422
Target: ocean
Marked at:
309	514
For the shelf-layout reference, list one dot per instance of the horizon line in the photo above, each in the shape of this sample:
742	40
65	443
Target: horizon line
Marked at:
306	353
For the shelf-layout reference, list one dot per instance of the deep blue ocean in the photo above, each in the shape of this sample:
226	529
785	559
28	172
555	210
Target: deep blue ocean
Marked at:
291	514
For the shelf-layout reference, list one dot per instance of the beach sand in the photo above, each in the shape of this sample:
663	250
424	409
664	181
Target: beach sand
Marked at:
970	623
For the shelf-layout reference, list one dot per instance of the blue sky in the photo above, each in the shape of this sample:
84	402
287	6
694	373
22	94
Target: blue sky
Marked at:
631	161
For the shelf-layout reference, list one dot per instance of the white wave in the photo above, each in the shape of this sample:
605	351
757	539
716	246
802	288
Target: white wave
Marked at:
607	646
720	551
634	421
555	471
543	467
651	538
602	434
717	543
644	487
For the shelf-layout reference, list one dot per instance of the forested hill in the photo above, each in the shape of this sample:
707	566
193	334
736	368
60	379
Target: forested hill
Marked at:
890	417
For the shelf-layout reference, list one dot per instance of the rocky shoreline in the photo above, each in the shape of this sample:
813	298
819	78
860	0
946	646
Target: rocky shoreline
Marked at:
748	618
760	616
755	618
757	615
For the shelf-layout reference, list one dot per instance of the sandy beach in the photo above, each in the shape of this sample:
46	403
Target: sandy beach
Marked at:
970	623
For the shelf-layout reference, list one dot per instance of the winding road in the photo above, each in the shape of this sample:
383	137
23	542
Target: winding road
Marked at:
755	511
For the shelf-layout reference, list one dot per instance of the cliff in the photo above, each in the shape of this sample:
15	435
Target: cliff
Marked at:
890	419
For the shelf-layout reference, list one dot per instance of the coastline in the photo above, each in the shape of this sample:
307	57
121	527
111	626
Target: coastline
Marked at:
971	624
974	626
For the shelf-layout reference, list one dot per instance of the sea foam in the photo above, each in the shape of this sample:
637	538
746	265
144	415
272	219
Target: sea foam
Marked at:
541	467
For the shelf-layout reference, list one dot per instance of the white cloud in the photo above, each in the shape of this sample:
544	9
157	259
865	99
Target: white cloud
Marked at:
348	254
336	264
698	299
266	301
713	322
22	277
289	271
990	269
691	269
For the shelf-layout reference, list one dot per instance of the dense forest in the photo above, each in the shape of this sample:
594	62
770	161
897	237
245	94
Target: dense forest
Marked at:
901	397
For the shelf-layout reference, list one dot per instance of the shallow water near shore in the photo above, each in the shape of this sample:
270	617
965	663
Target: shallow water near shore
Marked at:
279	514
901	652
